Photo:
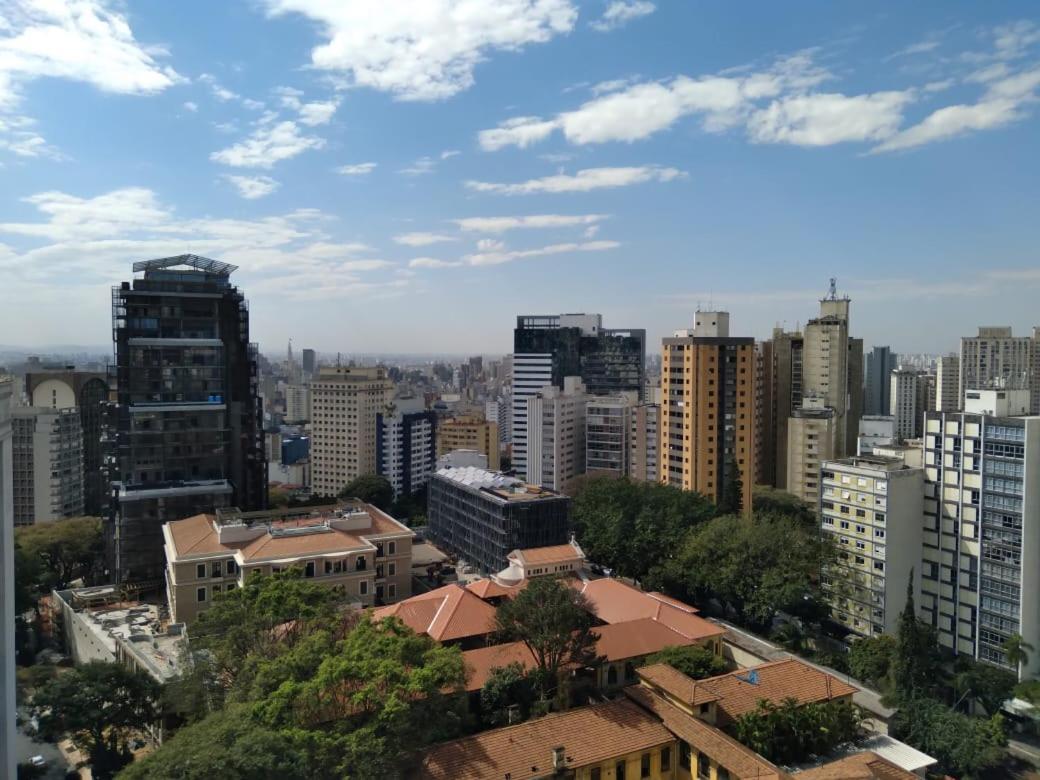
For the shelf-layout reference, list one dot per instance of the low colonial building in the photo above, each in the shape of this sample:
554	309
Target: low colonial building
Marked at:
352	545
555	561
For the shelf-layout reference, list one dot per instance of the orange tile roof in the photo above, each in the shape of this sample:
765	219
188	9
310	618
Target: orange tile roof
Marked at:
489	589
635	639
558	553
677	685
446	613
589	735
858	766
736	696
615	602
481	661
741	762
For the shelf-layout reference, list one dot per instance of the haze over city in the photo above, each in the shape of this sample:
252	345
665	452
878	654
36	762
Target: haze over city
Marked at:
384	186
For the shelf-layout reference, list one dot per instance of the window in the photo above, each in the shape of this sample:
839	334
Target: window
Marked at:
309	569
612	675
391	568
619	770
684	755
231	567
391	548
703	766
596	773
216	568
328	567
666	759
363	587
360	563
200	571
200	595
644	765
391	591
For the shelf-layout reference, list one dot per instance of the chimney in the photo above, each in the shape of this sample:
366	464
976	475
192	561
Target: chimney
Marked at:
559	758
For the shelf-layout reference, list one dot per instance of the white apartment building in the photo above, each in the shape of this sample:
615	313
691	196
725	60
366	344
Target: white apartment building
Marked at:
500	411
556	435
875	430
608	426
905	402
997	358
297	403
643	443
48	464
871	506
947	387
344	404
980	579
8	727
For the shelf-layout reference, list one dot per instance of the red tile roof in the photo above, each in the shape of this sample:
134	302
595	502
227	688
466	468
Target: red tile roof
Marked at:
588	735
615	602
858	766
481	661
677	685
444	614
636	639
558	553
489	589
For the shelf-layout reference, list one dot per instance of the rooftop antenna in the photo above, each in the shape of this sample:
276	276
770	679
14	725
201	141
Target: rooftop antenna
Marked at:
834	289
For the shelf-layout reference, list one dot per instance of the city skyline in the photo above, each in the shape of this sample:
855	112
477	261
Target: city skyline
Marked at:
564	164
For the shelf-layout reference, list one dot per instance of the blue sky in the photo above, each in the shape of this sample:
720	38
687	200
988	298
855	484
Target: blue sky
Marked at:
407	176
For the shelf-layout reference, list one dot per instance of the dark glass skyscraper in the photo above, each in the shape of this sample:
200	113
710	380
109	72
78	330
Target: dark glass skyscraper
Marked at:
188	428
547	348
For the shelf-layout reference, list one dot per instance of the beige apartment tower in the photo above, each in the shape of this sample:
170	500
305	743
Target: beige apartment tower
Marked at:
644	439
344	404
470	432
708	408
996	358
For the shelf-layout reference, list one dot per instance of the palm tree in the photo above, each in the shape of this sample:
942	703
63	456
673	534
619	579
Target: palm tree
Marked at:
1017	650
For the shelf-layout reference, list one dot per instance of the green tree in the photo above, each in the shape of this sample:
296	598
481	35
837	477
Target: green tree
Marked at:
732	502
233	745
754	565
870	660
61	551
789	733
508	695
372	489
770	501
964	746
916	666
1029	690
988	685
695	661
634	527
102	705
1017	650
555	622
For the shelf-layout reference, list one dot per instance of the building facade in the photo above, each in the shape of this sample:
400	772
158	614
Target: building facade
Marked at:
875	430
810	441
345	404
87	391
880	363
547	348
406	450
608	431
500	412
297	403
482	516
708	409
48	464
947	389
351	545
188	431
643	442
556	435
470	432
996	358
981	568
906	408
8	710
871	506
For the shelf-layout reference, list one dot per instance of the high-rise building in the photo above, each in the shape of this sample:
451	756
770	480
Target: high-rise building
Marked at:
871	506
947	377
297	403
483	516
708	408
981	570
309	364
8	710
345	404
556	435
500	412
188	430
407	449
87	391
470	432
48	464
810	441
995	358
875	430
547	348
905	399
608	431
880	363
780	370
643	442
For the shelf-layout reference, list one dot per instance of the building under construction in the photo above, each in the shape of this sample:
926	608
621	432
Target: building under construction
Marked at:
188	431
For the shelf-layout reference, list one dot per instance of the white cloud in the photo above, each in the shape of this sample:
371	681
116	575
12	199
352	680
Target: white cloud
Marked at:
420	167
365	265
190	106
449	153
591	231
18	137
621	12
220	92
824	119
253	187
490	245
356	169
433	262
582	181
319	112
423	49
536	221
421	239
521	131
499	257
269	144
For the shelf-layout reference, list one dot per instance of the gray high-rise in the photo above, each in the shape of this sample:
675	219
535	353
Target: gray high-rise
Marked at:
881	362
188	425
